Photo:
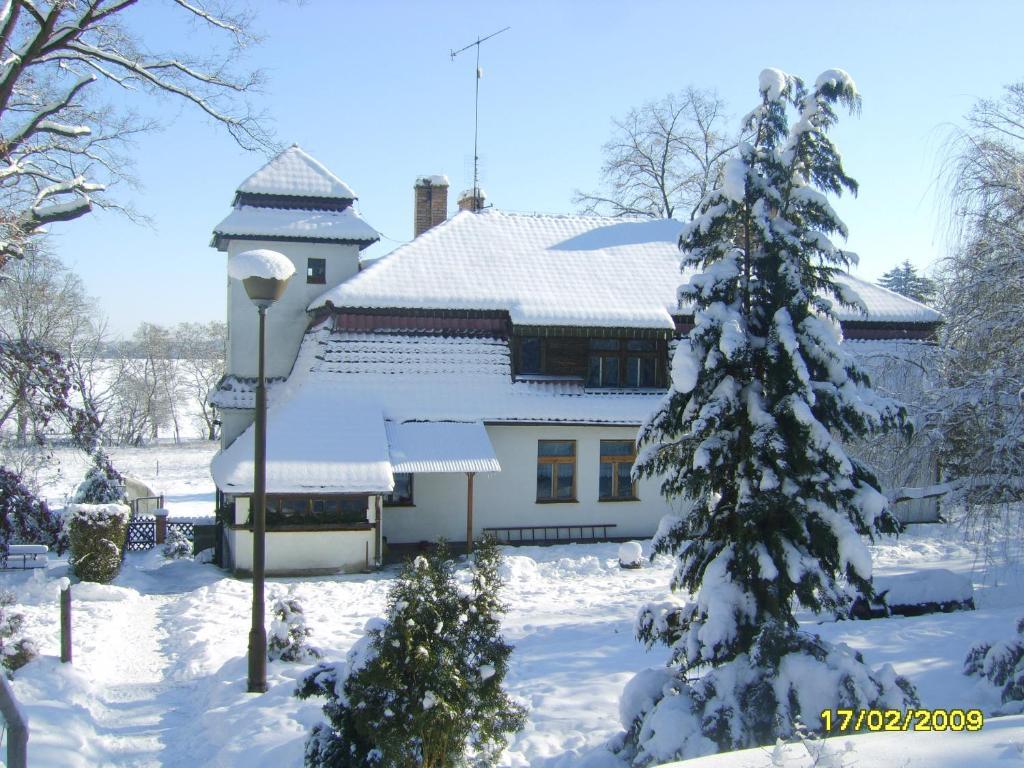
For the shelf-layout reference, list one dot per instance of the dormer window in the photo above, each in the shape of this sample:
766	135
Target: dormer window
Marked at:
597	362
316	271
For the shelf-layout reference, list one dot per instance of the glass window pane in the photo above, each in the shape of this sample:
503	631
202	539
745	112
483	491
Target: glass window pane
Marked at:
316	270
353	510
544	481
610	344
609	371
616	447
565	474
529	355
294	505
594	372
604	486
649	372
632	371
625	482
556	448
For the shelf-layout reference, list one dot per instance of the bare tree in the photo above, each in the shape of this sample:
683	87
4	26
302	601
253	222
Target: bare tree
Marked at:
61	143
201	349
663	157
981	293
42	304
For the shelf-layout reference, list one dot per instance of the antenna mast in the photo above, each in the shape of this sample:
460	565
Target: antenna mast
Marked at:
476	112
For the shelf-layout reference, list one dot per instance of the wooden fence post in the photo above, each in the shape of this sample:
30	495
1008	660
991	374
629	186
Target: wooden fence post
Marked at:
65	624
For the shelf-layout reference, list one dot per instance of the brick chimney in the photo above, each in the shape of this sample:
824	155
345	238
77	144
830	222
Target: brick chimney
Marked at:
431	203
470	202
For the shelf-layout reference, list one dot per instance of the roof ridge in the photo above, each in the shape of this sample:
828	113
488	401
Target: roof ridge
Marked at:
337	188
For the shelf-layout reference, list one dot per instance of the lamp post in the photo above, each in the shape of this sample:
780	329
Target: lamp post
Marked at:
265	275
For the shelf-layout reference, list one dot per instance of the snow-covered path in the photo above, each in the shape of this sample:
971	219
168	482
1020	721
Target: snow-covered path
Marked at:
159	671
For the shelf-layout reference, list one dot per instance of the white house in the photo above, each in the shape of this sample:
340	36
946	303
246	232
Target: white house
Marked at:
489	375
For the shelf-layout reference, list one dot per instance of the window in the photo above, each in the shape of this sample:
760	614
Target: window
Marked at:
556	470
603	363
316	271
529	355
641	363
315	510
629	363
401	496
614	481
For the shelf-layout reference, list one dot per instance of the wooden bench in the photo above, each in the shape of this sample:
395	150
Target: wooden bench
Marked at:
25	556
549	534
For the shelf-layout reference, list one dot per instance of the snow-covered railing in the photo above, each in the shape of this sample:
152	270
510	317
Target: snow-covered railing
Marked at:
17	726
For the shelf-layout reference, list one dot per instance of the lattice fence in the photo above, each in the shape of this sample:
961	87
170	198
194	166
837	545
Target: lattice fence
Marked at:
142	533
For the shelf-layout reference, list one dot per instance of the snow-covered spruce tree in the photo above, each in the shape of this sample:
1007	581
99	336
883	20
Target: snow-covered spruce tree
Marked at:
102	483
288	639
423	687
751	434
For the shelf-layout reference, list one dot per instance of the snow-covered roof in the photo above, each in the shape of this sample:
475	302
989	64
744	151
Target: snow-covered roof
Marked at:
295	224
240	392
312	447
440	446
442	378
556	270
294	173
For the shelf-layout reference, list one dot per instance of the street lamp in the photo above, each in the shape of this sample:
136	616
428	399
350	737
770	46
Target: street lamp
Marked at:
264	274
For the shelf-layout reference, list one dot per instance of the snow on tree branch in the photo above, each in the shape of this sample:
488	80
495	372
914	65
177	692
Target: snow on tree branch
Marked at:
62	145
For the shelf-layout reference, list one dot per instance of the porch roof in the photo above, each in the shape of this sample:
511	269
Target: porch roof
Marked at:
440	446
312	447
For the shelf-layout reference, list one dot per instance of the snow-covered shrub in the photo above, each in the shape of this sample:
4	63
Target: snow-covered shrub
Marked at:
24	517
176	545
631	554
424	686
1002	664
289	636
102	483
96	534
788	677
15	651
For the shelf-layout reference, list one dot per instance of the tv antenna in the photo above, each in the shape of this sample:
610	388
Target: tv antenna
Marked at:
476	112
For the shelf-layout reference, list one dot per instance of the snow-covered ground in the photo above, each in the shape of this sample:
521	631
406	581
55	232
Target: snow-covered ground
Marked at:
180	471
159	671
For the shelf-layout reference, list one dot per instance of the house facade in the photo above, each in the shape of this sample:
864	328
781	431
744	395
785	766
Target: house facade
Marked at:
489	376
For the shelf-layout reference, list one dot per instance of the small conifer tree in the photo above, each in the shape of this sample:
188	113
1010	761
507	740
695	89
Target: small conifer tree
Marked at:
288	639
176	545
751	433
423	687
102	483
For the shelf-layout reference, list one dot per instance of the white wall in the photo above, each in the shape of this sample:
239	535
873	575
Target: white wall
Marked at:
287	319
297	552
508	498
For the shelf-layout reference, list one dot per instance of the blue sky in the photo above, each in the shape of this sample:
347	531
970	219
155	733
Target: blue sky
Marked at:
370	90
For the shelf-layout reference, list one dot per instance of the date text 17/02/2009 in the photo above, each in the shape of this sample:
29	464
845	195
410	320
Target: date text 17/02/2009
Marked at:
874	720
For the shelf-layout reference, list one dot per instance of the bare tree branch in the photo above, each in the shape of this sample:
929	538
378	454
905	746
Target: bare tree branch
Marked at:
61	147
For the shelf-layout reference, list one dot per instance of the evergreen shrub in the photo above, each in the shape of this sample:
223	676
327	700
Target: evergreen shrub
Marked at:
97	534
1002	664
423	687
15	651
